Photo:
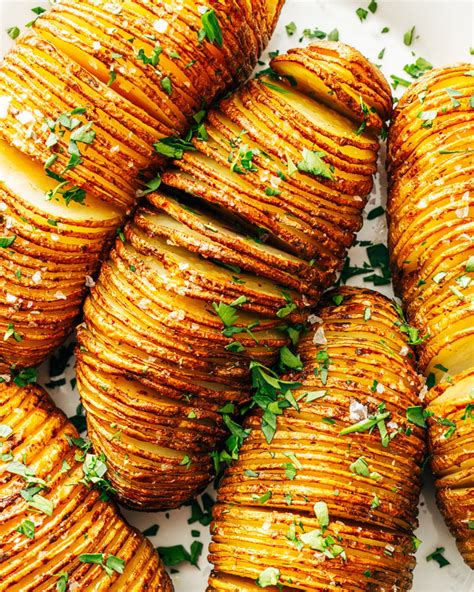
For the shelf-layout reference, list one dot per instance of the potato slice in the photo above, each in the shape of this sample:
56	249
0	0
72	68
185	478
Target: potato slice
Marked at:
51	534
318	508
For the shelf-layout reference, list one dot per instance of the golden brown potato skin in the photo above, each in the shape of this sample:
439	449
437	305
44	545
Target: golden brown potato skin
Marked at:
452	450
84	94
431	239
235	224
262	511
80	522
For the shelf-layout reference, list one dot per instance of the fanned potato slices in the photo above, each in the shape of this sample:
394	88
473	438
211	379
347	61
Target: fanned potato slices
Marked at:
55	528
250	225
84	95
431	239
431	207
450	412
331	502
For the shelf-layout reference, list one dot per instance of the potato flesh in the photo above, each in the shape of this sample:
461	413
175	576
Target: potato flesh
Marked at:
213	236
249	536
85	60
80	522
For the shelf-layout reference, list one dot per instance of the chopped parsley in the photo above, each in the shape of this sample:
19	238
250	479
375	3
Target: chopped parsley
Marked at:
211	29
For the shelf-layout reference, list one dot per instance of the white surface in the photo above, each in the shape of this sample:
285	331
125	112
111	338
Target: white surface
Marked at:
444	34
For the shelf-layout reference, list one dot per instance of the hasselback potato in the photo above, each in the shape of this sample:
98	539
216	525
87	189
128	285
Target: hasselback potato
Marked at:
431	215
431	239
331	502
84	94
250	225
56	532
450	414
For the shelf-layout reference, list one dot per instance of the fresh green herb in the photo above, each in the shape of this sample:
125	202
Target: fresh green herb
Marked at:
24	377
290	28
153	59
10	332
381	54
27	527
417	69
415	415
61	584
375	420
413	336
166	85
375	213
397	81
427	117
211	28
268	577
321	512
372	6
438	556
409	36
362	14
333	35
360	467
110	563
312	163
13	32
289	360
7	241
324	361
375	502
173	147
272	395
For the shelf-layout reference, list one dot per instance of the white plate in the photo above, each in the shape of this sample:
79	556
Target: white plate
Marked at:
444	34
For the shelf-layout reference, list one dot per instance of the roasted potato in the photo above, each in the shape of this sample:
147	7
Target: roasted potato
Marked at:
431	215
431	239
56	530
331	502
84	95
450	414
219	268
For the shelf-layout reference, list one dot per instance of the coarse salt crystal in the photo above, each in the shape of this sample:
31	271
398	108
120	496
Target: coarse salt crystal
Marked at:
11	298
4	105
60	295
89	282
312	318
319	337
25	117
36	277
357	411
380	388
160	25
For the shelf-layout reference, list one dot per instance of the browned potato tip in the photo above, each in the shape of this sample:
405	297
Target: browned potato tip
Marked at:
341	77
84	95
330	502
56	530
450	413
218	269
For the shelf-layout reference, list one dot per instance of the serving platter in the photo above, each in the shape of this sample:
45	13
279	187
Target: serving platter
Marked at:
438	31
